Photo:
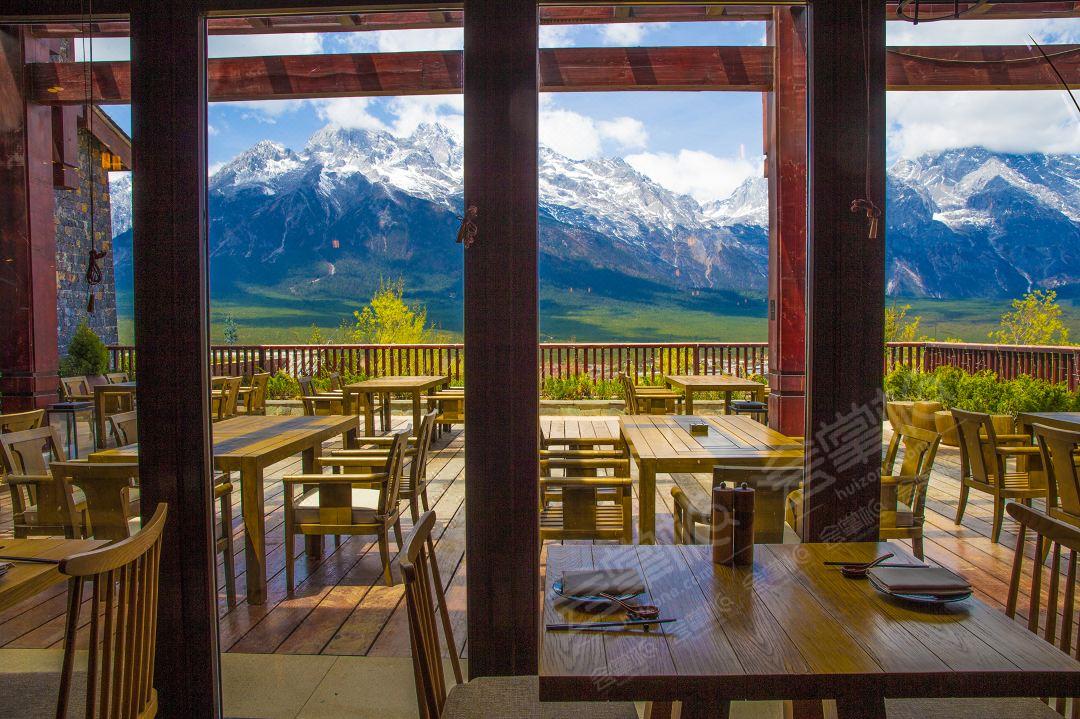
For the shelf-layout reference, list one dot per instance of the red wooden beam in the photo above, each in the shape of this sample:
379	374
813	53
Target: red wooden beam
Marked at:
562	70
549	15
109	134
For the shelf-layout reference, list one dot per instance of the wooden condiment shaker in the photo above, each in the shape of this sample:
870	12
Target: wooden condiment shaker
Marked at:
743	525
722	537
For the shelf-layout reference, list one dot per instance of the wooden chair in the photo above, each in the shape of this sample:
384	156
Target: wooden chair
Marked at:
124	427
108	490
506	696
352	504
647	400
76	389
983	460
903	495
116	377
252	399
771	486
119	583
1050	535
223	402
41	504
691	524
20	421
1059	450
577	507
319	403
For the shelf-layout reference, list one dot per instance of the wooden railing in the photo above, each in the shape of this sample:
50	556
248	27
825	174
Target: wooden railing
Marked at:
646	360
559	360
1052	363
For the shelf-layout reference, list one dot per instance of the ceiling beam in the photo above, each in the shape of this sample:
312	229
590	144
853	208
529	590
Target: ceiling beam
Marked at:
729	68
549	15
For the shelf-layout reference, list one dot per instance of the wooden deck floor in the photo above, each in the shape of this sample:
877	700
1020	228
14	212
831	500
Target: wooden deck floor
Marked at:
341	607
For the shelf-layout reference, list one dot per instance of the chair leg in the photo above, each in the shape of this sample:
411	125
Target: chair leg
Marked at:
917	547
423	497
397	533
962	504
999	517
384	553
414	511
229	567
288	550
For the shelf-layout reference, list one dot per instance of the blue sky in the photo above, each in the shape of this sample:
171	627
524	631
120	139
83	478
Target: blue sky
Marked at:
703	144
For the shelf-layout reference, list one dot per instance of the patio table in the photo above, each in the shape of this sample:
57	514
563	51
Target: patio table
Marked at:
1060	420
248	445
26	579
663	443
416	386
787	628
726	383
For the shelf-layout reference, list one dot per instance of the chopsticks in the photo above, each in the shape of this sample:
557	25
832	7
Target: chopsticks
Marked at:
29	560
883	564
621	623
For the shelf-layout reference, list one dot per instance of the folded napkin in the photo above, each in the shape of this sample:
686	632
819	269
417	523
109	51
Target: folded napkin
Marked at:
590	582
934	581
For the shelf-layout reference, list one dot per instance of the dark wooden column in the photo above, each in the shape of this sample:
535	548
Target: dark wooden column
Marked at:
845	268
28	353
501	335
786	169
168	50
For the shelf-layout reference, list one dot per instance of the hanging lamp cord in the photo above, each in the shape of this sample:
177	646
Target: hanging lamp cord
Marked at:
865	204
93	274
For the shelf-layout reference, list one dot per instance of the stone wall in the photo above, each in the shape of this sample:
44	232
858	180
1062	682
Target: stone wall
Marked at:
73	250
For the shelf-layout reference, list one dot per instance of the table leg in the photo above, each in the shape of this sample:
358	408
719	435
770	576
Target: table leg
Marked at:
705	708
860	706
99	419
660	710
415	412
646	503
313	543
688	398
369	414
727	402
804	709
251	507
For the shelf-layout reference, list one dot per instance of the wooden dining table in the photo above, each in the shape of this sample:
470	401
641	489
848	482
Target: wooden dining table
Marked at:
1059	420
249	445
663	443
25	579
415	385
726	383
786	628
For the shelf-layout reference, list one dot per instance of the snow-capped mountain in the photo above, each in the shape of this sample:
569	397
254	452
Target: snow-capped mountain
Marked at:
354	205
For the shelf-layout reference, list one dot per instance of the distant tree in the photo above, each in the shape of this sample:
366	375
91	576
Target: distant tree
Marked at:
87	354
1035	319
898	328
316	336
388	319
231	329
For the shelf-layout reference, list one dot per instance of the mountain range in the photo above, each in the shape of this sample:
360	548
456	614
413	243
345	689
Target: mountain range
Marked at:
354	206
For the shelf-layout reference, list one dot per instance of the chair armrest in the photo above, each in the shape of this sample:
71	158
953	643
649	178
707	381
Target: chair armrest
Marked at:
1025	438
387	441
376	461
368	478
1017	450
561	463
609	454
585	481
27	479
221	489
575	442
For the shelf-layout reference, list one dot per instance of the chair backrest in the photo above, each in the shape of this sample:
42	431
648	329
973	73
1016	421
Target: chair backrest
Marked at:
116	377
920	450
123	578
125	427
423	593
227	395
25	457
73	387
1053	537
257	399
418	468
1058	448
629	393
30	451
388	499
19	421
107	488
307	386
335	381
978	439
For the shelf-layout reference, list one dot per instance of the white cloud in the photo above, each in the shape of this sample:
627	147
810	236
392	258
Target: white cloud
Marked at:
559	35
252	45
627	132
213	169
104	49
570	133
211	130
267	111
983	32
406	40
349	112
411	112
702	175
628	34
1012	121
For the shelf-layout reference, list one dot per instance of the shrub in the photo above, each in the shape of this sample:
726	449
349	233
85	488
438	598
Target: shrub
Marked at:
87	354
282	386
580	387
980	392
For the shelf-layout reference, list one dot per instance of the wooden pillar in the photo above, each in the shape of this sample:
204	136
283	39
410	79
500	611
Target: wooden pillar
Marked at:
28	353
168	50
785	134
845	269
501	336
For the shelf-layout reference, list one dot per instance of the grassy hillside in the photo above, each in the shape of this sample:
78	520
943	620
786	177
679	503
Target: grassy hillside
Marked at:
565	315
